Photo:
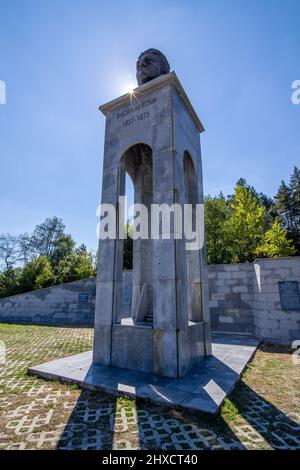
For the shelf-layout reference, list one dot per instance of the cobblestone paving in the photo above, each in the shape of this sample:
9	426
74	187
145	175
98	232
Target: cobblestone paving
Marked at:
263	412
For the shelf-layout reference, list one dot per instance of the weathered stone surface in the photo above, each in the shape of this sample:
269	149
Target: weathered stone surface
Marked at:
132	347
67	304
203	388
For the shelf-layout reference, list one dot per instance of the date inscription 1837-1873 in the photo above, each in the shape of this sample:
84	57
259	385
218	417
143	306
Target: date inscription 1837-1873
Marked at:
136	113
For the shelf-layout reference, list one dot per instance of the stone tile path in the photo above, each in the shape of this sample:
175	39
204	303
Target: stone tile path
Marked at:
204	388
262	413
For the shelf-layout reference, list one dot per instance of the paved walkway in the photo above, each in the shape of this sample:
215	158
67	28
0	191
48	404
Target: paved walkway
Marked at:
202	389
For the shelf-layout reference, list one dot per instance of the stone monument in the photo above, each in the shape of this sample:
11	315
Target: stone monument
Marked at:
153	134
159	349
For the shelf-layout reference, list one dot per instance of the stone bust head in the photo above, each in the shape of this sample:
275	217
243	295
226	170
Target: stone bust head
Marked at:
151	64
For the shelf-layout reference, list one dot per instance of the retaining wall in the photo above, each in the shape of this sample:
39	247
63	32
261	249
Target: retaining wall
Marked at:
244	298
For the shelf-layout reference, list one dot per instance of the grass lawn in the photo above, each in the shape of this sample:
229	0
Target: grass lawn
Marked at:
262	413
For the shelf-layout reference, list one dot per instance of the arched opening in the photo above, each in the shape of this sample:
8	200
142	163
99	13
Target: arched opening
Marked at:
128	220
136	174
195	309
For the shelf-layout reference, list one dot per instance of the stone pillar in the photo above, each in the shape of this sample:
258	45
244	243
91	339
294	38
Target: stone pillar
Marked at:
109	273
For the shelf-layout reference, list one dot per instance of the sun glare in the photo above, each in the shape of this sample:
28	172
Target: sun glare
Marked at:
128	88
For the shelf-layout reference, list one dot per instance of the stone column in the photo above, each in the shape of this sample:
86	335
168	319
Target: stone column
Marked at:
109	273
170	310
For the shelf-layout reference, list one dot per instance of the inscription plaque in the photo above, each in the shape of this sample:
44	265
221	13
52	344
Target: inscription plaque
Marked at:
289	295
83	298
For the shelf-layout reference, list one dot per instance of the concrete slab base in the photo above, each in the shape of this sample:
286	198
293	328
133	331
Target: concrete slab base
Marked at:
203	389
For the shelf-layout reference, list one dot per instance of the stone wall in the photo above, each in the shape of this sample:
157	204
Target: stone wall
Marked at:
67	304
272	323
231	297
244	298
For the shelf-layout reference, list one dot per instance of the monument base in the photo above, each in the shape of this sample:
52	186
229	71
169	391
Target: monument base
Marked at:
204	388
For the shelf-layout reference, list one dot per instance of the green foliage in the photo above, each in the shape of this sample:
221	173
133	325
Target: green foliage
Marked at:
128	247
36	274
77	265
248	224
9	282
49	255
45	237
229	412
245	224
62	248
288	207
8	250
275	243
216	213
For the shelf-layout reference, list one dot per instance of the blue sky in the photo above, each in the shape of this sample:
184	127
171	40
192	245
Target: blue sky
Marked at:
61	59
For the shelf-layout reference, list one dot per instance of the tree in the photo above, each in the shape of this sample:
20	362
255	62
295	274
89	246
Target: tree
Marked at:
63	247
25	247
8	250
46	236
85	265
288	207
128	247
275	243
10	282
50	257
79	265
267	202
245	224
295	188
216	213
295	207
284	205
37	274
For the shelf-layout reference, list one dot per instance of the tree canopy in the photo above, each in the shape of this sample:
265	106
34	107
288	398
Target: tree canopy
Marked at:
47	257
246	225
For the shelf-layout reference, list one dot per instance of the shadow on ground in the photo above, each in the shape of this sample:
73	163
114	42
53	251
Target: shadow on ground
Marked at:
101	421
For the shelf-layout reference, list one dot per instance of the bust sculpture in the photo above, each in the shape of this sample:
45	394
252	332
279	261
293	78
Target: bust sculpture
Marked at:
151	64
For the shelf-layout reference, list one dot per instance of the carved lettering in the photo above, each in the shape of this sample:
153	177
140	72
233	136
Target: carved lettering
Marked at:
136	108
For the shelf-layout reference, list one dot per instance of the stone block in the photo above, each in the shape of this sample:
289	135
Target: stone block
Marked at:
217	296
102	345
132	347
164	260
241	289
196	342
165	353
164	304
104	303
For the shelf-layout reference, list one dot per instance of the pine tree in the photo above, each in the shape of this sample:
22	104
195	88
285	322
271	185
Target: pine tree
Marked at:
284	205
295	197
288	207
